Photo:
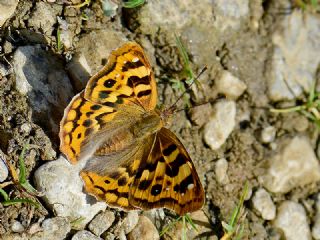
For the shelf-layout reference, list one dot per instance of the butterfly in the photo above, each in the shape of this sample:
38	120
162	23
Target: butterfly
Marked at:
130	160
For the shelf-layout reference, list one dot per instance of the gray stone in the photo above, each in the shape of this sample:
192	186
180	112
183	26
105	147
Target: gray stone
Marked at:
17	227
7	8
221	168
228	14
199	114
93	50
109	8
85	235
41	76
268	134
292	220
230	85
4	172
44	17
295	58
101	222
263	203
316	225
144	230
294	165
63	192
66	37
220	125
53	228
130	221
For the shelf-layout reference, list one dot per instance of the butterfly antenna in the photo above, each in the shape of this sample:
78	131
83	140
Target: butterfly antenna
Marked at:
173	106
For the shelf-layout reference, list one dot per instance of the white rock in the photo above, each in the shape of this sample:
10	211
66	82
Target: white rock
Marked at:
292	220
144	230
63	191
7	8
221	124
17	227
130	221
85	235
296	55
53	228
268	134
109	8
294	165
4	172
101	222
221	168
230	85
228	13
263	203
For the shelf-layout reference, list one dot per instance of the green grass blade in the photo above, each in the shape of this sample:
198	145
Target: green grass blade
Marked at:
189	220
170	225
19	200
4	195
133	3
184	232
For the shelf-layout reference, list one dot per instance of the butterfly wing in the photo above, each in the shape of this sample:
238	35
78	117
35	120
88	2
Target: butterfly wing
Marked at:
167	178
116	95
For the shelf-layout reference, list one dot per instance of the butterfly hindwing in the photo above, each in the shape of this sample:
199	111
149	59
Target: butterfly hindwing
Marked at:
167	178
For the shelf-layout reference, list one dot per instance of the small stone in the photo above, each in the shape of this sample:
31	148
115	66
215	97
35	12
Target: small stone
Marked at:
4	172
230	85
53	228
130	221
101	222
220	125
200	114
44	17
17	227
268	134
63	192
66	36
221	168
295	58
7	8
144	230
109	8
263	203
85	235
25	128
292	220
294	165
7	47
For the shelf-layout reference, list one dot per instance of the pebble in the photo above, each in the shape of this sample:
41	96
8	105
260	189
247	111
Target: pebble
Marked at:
221	168
63	192
85	235
101	222
53	229
7	8
263	203
220	125
230	85
292	220
109	8
268	134
295	57
17	227
4	172
144	230
294	165
130	221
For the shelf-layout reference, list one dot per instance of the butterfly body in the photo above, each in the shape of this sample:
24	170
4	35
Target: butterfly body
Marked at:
131	160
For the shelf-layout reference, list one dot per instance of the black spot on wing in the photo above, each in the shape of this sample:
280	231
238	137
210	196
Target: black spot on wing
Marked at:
170	149
95	107
135	80
156	190
109	83
144	93
122	181
144	184
183	186
172	169
131	65
104	94
87	123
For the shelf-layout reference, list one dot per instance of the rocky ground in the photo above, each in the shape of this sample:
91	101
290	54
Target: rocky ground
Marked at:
260	55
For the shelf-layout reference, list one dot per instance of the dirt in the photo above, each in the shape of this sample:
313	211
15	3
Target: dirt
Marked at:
245	52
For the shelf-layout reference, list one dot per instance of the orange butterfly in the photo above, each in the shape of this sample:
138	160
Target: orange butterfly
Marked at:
130	159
